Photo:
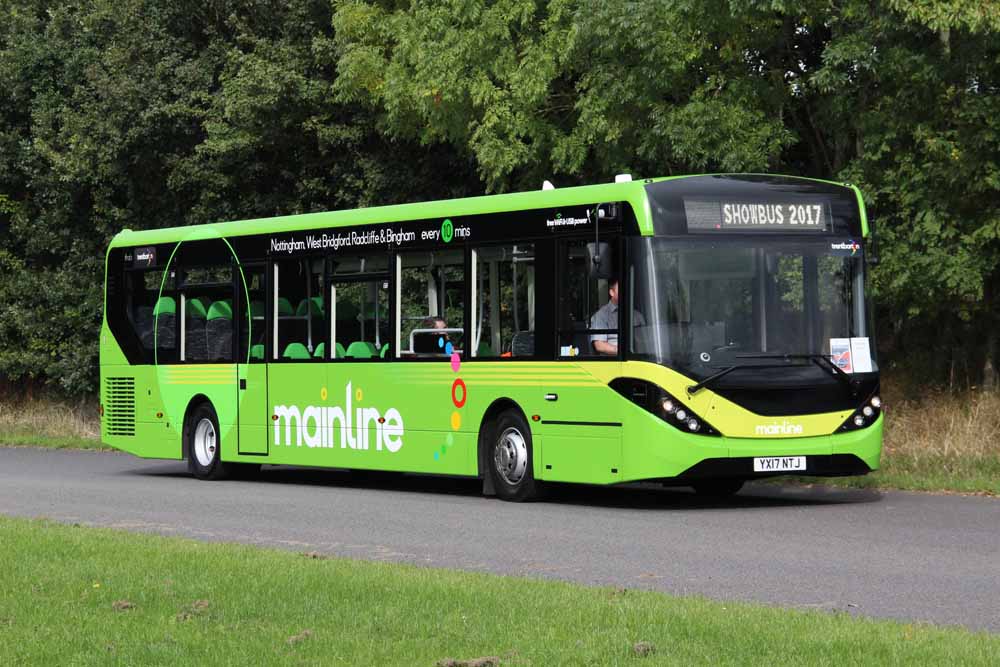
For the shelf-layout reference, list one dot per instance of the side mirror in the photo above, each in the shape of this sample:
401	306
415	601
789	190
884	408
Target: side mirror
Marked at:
610	211
600	260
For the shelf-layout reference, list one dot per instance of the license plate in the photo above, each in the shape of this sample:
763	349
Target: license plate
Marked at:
779	464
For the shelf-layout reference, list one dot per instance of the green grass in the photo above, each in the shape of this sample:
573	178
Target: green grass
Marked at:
925	472
52	441
199	603
41	422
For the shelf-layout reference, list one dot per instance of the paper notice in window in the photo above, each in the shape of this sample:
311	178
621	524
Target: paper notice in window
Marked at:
840	353
861	355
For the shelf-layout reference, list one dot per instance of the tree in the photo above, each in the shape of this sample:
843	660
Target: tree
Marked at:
900	98
142	114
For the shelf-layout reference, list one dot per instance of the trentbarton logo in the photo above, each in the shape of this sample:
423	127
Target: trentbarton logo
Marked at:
850	244
774	428
346	427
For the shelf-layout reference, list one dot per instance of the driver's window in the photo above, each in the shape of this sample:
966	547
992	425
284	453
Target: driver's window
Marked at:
588	300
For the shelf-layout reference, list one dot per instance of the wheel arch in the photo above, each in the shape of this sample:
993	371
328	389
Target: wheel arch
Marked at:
195	401
496	408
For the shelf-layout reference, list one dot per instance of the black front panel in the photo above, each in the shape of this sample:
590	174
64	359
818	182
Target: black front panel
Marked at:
782	401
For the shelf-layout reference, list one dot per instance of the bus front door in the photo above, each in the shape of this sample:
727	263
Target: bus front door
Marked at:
251	366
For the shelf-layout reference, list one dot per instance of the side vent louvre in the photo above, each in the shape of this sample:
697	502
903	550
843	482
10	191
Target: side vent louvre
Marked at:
119	406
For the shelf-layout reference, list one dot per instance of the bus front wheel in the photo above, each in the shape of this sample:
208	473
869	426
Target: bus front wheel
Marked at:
510	458
201	434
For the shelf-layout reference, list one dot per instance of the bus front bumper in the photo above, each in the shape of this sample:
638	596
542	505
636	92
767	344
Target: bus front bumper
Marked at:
695	457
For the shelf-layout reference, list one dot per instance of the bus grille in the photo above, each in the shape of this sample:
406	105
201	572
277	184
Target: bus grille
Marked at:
119	406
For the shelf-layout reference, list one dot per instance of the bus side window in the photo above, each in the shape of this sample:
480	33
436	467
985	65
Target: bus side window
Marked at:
360	318
147	313
299	310
504	294
432	303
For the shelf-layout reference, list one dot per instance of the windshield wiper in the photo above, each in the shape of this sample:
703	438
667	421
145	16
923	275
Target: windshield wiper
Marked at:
695	388
821	360
839	373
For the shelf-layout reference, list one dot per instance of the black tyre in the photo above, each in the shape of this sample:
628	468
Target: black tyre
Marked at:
718	488
509	458
201	443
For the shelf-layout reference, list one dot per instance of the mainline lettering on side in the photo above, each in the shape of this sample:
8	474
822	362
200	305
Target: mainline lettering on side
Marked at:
315	426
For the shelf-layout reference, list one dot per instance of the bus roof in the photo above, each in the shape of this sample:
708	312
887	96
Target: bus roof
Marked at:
632	192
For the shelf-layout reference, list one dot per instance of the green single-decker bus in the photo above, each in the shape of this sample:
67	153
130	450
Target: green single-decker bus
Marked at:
693	331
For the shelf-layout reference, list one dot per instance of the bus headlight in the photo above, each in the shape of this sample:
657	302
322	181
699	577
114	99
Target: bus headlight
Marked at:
865	415
655	400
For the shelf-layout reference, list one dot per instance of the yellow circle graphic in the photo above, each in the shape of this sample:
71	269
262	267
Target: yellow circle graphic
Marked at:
456	420
322	394
358	395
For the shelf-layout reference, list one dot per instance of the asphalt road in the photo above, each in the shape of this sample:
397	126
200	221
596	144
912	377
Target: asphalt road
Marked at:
911	556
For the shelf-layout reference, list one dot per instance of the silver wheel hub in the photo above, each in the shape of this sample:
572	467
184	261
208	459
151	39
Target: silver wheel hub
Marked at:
510	456
205	442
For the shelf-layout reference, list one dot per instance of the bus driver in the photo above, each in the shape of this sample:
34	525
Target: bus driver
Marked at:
607	318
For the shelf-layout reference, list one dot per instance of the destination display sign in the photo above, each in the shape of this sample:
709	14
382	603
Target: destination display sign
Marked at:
746	216
140	258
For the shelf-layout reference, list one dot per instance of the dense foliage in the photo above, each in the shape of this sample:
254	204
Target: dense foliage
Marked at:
140	114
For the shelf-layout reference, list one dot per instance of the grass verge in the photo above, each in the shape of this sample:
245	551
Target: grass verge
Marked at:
51	441
978	475
72	595
46	423
940	441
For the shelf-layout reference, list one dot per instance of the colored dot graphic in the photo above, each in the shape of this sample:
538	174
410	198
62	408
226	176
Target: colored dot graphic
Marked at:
459	395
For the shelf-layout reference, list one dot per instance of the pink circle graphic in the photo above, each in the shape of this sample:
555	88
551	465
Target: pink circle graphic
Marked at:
456	361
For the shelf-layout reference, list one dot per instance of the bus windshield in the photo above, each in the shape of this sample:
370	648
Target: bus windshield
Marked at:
711	304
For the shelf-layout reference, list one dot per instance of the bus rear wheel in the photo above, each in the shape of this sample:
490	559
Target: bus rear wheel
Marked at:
510	458
718	488
201	435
